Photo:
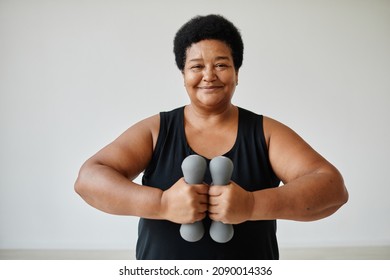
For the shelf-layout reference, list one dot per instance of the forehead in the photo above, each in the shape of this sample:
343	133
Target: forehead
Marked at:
208	49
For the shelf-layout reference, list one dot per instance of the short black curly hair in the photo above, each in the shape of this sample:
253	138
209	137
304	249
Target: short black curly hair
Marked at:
208	27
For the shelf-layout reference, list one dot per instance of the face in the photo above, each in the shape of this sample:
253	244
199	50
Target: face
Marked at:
209	74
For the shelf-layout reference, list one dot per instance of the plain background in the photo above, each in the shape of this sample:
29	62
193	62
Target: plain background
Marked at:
75	74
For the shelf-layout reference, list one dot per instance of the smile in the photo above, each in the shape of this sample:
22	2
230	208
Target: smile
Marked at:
210	87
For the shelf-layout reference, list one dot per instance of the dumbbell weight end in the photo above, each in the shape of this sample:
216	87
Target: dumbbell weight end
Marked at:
194	168
221	169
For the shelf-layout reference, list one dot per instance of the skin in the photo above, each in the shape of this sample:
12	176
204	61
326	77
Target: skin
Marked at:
313	188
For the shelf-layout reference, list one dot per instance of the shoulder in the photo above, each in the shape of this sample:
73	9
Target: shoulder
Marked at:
290	155
250	119
247	113
274	129
151	126
146	130
151	123
173	114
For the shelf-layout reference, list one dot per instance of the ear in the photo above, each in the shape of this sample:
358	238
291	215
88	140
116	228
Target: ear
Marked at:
183	76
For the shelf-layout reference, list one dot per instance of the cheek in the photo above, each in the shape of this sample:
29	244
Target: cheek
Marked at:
191	80
229	80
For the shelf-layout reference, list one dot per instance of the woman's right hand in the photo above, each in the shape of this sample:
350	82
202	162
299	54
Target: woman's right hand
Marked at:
183	203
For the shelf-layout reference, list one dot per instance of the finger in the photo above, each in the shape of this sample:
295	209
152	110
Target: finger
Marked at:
199	216
214	209
200	188
216	190
211	209
203	208
203	199
214	200
214	217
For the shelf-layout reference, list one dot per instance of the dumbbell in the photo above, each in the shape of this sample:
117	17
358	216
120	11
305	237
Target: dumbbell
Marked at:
194	168
221	169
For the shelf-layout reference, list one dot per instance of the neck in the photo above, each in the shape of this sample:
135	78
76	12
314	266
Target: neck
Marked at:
214	116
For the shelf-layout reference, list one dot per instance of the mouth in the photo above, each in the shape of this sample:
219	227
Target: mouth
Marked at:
210	88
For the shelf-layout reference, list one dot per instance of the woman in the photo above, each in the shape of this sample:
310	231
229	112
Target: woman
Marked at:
209	52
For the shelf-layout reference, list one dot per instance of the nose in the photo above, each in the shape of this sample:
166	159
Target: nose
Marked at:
209	74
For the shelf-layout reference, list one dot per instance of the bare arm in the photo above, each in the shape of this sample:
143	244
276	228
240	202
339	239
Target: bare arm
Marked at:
313	188
105	181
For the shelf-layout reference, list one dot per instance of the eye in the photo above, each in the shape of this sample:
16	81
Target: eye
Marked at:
221	66
196	67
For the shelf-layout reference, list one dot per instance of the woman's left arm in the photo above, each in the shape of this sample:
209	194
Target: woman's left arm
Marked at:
313	188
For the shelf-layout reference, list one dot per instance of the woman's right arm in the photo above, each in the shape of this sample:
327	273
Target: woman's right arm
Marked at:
105	180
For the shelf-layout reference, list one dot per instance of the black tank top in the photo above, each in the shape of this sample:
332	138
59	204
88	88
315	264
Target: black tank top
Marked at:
160	239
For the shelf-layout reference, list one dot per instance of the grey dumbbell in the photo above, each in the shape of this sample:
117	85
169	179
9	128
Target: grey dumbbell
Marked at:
194	168
221	169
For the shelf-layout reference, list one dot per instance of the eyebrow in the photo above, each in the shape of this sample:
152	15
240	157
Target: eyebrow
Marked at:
223	58
217	58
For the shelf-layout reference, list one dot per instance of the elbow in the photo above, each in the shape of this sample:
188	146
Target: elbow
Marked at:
83	188
341	199
334	197
78	187
81	184
343	195
338	196
335	190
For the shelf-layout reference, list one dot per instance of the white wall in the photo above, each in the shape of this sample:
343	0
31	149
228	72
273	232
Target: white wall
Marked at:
75	74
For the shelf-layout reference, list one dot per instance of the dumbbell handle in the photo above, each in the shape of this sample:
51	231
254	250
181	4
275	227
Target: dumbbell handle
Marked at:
221	169
194	168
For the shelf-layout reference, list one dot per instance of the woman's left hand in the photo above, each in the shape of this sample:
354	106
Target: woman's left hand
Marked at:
230	204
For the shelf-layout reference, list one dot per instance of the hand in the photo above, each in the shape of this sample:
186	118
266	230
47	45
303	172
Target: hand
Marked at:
183	203
230	204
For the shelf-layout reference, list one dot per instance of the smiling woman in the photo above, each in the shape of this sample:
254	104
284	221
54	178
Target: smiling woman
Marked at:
209	75
208	52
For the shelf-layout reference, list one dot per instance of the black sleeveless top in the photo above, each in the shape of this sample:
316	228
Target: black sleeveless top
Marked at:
160	239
